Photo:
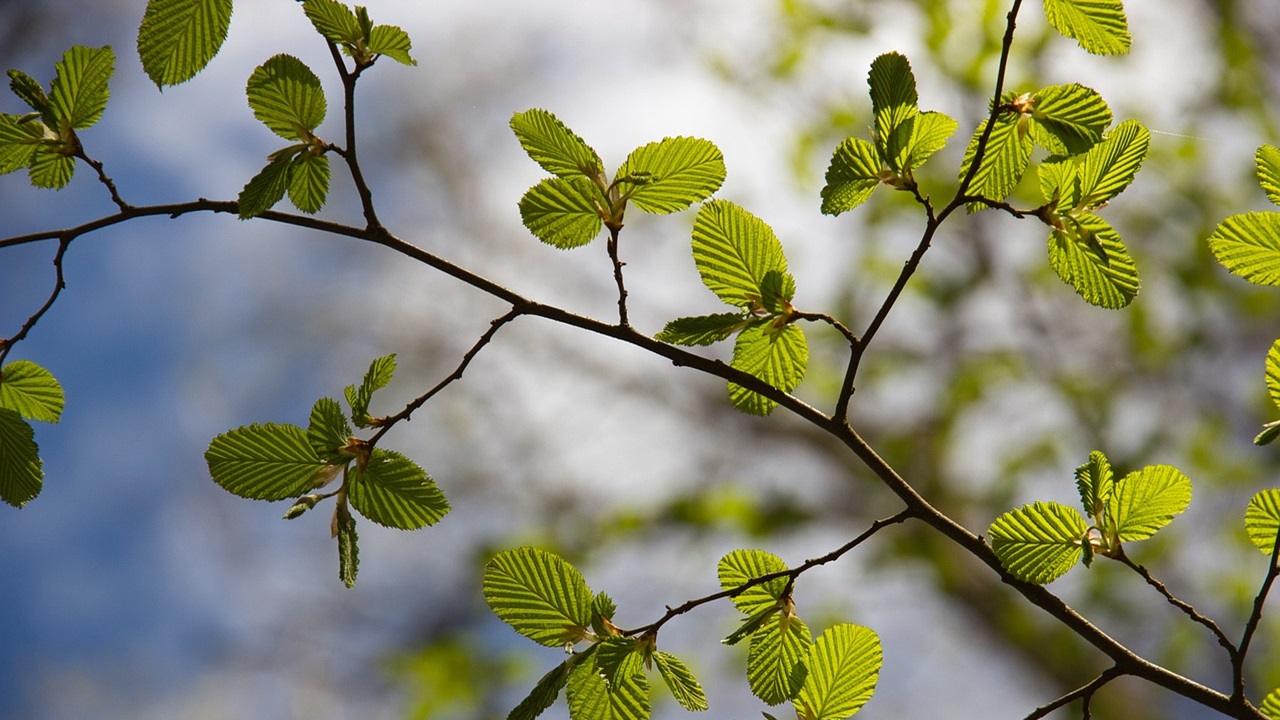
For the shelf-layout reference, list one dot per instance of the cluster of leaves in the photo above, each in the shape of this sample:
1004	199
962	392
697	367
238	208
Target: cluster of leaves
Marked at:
544	598
27	392
280	461
1040	542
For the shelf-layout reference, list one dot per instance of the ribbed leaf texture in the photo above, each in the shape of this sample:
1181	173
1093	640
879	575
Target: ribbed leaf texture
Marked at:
21	472
1040	542
375	378
393	42
1004	162
178	38
1095	482
31	391
702	330
539	594
544	693
672	174
328	430
1148	499
286	96
680	681
844	666
393	491
1271	703
1098	25
79	91
1262	519
333	20
18	142
554	146
1267	161
1272	373
1110	166
1069	119
776	356
894	103
560	212
930	132
51	169
268	187
851	177
348	545
776	668
1109	279
264	462
309	182
733	251
1248	244
592	698
741	566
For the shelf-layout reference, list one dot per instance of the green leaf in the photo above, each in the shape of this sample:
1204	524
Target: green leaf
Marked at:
894	104
930	132
29	90
1248	244
702	330
592	698
777	356
375	378
31	391
1095	482
1269	433
554	146
560	212
51	169
777	290
852	176
178	38
540	595
680	680
1098	25
286	96
18	142
1040	542
79	92
264	462
268	187
1005	161
393	42
740	567
1267	160
1148	499
545	692
328	431
1110	166
603	606
393	491
1271	703
1060	184
333	20
776	668
672	174
618	657
1089	256
1068	119
733	251
309	182
1273	373
21	472
348	545
844	666
1262	519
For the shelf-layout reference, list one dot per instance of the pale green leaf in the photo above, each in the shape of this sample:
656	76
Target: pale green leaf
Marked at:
1267	161
776	667
1273	373
703	329
852	176
29	90
740	567
268	187
1148	499
1108	278
1098	25
309	182
31	391
1040	542
286	96
178	38
1271	703
618	657
1096	482
328	431
733	251
560	212
79	92
348	545
672	174
1262	519
554	146
333	20
1110	166
844	666
1060	184
680	680
21	473
545	692
894	104
18	141
591	697
539	594
375	378
264	462
1004	162
930	132
393	491
393	42
1248	244
50	168
777	290
603	606
1068	119
777	356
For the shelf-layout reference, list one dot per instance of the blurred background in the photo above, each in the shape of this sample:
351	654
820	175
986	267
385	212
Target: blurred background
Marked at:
134	587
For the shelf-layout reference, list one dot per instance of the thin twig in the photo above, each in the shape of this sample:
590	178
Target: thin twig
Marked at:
1084	693
1251	625
59	285
1185	607
839	326
617	274
348	154
102	177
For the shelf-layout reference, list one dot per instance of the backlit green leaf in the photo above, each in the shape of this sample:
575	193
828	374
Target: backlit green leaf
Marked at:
18	142
740	567
393	491
894	104
29	90
1098	25
1040	542
1095	482
702	330
264	462
1148	499
554	146
1262	519
680	680
21	474
348	545
1248	244
1267	161
79	92
539	594
1111	281
844	666
393	42
31	391
333	20
776	356
1004	162
672	174
268	187
1069	119
286	96
375	378
776	668
51	169
1273	373
1060	182
560	212
1110	166
851	177
930	132
309	182
1271	703
733	250
178	38
328	431
545	692
592	698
